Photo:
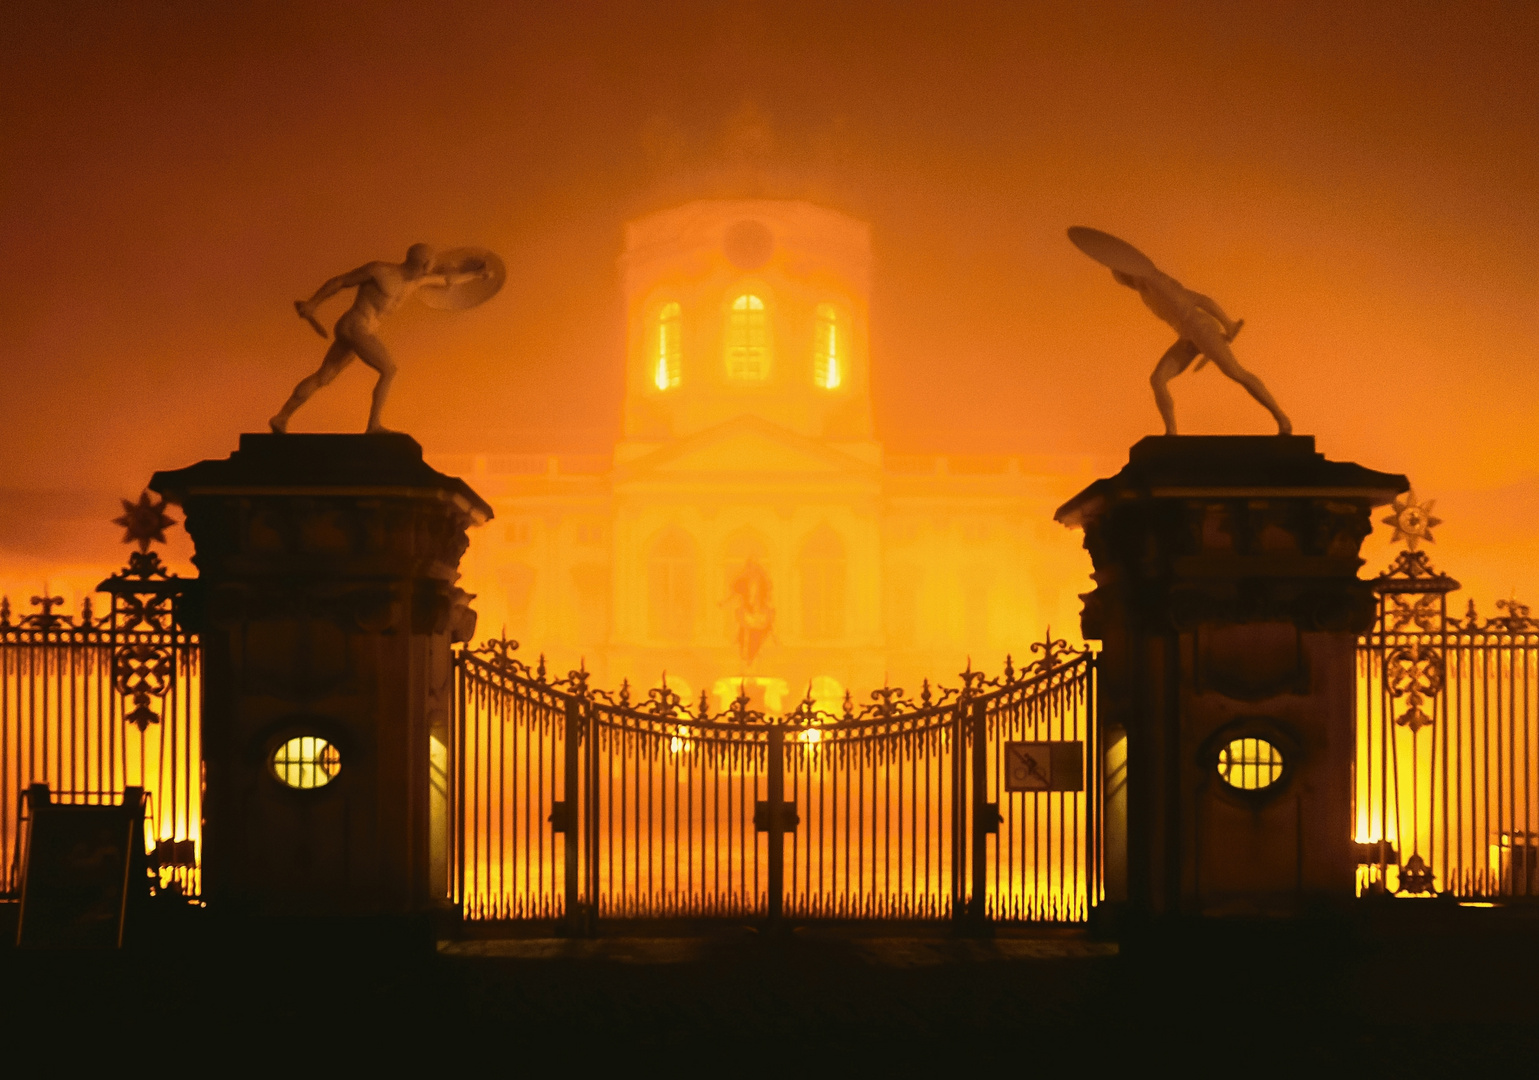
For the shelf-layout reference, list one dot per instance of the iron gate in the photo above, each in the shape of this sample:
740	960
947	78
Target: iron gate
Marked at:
579	804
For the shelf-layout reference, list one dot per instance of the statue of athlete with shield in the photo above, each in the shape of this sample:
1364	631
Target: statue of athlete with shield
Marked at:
1204	328
453	281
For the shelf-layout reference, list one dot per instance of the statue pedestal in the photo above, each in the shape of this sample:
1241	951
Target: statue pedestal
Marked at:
1228	606
328	565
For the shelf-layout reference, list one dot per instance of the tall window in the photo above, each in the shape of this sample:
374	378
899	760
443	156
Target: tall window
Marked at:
518	589
822	566
830	349
902	614
590	581
671	587
748	355
665	359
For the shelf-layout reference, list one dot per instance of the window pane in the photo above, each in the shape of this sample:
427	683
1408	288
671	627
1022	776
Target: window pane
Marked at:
829	349
671	569
666	355
747	340
305	762
1250	764
822	566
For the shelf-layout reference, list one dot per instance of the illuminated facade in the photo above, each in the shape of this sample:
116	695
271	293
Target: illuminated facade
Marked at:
748	524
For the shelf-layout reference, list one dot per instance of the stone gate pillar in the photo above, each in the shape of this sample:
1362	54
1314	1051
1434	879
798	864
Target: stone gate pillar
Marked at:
328	565
1228	606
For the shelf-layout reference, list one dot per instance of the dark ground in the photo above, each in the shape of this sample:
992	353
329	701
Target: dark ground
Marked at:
1439	989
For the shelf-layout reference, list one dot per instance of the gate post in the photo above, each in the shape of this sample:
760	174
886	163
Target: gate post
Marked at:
328	567
776	747
978	912
1228	603
573	814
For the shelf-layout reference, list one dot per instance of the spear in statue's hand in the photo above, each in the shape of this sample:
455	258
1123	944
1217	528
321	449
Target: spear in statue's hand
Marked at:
304	313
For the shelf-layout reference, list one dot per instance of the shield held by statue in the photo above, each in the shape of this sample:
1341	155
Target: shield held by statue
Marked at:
470	292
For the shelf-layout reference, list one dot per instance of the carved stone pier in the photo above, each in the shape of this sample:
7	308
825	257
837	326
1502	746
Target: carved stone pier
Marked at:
328	566
1228	604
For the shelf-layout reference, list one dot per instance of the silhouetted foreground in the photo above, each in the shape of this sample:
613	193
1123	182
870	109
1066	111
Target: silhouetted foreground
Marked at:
1451	988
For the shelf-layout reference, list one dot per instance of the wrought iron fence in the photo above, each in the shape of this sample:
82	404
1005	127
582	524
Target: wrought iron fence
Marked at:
577	803
572	802
1447	784
92	705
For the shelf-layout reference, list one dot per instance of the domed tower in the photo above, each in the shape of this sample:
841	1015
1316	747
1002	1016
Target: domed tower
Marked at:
747	307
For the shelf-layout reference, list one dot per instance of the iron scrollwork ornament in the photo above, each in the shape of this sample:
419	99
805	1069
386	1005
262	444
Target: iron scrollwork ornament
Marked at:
145	623
1412	619
1415	673
496	660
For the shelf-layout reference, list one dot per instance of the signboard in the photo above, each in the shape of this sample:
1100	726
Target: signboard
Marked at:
76	883
1044	766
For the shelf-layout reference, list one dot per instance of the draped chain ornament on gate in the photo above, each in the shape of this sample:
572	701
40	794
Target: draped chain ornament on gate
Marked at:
578	803
1447	781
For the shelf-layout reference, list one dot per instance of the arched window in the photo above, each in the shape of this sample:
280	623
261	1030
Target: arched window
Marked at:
830	349
666	351
748	354
902	612
671	573
590	583
518	581
822	566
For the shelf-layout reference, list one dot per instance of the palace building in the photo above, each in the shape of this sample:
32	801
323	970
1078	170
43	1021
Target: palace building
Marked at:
748	532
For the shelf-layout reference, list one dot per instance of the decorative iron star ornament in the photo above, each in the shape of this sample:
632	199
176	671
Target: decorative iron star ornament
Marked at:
1413	521
144	522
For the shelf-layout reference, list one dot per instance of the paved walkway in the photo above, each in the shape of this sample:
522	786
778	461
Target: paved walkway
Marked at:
1327	1000
886	952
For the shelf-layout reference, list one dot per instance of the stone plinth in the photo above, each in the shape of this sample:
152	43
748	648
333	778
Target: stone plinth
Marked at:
1228	605
328	565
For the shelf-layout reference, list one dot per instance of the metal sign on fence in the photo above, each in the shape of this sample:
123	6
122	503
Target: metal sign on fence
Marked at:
1045	766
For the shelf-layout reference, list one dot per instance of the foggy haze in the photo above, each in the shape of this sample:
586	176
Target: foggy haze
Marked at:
1359	186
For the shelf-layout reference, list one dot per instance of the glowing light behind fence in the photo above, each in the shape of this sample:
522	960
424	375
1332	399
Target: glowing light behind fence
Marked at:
62	724
673	805
1462	791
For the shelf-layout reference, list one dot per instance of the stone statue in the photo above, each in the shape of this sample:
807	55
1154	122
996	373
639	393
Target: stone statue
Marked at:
455	280
1203	327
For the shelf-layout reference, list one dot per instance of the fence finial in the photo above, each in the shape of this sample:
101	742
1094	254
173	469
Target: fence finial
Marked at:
144	522
1413	521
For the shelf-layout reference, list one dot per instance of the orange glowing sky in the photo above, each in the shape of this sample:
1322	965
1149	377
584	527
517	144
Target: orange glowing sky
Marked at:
1361	186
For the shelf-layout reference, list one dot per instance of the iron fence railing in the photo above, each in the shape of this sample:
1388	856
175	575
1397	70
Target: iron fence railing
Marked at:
1447	783
571	802
93	706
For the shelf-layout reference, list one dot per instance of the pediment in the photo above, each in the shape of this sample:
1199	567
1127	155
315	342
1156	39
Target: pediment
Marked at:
746	446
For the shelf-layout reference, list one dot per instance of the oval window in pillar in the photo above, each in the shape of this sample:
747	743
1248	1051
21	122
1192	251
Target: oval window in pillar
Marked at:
1250	764
306	762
